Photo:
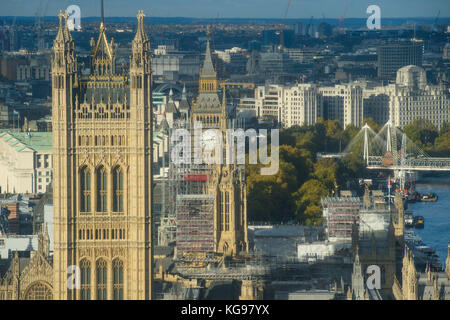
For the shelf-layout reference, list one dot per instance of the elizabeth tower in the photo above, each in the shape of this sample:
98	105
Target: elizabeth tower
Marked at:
102	140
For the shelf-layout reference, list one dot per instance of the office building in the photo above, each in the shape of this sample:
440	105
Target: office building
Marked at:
393	56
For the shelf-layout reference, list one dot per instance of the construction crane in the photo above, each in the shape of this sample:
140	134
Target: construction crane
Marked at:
341	20
434	27
40	13
281	28
310	25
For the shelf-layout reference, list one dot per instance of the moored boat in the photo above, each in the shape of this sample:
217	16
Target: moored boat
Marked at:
428	197
419	222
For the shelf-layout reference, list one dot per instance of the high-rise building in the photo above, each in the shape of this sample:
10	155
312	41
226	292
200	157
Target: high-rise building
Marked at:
268	100
412	98
393	56
102	142
302	105
409	98
344	103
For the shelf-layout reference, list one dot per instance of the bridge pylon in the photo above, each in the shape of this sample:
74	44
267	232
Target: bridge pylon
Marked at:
366	143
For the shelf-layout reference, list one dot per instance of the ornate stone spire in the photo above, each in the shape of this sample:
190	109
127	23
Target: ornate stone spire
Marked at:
140	31
61	35
208	97
357	278
103	61
428	272
183	94
208	67
140	47
349	293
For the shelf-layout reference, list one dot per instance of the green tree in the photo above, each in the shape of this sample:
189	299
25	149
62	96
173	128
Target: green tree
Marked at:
307	201
372	124
422	132
445	127
442	144
350	167
326	171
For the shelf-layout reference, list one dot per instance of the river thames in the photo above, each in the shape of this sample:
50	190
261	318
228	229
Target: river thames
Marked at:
436	233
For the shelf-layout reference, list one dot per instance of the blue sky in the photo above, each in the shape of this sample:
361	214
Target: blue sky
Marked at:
234	8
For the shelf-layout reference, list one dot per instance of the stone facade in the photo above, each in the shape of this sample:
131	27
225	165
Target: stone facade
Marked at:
226	182
428	285
102	124
30	278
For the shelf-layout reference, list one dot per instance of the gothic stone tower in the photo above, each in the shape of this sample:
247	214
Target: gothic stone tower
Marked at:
227	183
206	108
102	138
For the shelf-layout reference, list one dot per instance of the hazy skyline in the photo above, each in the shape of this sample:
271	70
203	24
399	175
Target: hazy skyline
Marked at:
232	8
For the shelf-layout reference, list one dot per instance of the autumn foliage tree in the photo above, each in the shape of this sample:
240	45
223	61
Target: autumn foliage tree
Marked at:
294	193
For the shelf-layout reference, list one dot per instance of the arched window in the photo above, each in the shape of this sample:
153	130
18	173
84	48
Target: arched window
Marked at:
101	279
85	184
117	190
227	211
101	190
118	279
85	289
221	210
39	291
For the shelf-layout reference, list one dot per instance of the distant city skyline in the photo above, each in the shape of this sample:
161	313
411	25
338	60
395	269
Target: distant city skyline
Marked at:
232	8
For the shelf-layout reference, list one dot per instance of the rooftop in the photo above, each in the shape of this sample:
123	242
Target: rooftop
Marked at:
37	141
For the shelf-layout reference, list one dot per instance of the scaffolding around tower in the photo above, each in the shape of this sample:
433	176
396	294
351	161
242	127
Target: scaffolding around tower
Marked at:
195	223
191	205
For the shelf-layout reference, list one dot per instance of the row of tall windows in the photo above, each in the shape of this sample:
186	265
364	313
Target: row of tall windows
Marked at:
101	234
101	281
101	192
101	140
225	211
